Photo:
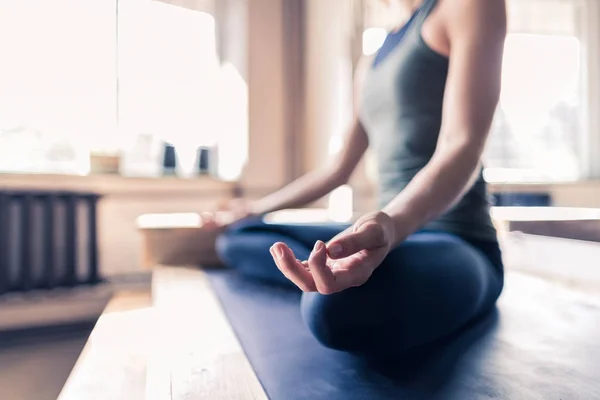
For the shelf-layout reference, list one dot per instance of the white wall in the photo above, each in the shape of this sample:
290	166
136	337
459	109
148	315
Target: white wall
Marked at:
328	66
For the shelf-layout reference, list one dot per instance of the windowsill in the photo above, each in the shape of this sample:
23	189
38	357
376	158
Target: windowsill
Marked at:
116	184
541	186
534	186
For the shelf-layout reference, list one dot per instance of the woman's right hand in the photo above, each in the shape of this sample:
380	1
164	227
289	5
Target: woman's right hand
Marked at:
229	212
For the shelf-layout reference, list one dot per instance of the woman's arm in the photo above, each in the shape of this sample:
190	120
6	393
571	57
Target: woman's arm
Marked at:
476	32
311	186
317	184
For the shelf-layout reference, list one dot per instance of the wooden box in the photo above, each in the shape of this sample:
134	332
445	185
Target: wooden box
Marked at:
177	239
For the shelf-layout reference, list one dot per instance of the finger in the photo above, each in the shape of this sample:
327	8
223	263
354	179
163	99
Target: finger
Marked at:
208	220
322	274
304	263
348	278
293	270
357	269
369	236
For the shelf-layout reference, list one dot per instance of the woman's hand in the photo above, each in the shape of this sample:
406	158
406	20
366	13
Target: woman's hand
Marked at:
347	261
228	212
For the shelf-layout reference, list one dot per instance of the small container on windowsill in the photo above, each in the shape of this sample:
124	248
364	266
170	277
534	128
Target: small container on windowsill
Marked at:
206	161
107	164
169	162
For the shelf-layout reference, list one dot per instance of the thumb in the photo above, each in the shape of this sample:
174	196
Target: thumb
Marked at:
369	236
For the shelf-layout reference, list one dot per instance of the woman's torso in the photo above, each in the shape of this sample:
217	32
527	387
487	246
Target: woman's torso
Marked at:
401	111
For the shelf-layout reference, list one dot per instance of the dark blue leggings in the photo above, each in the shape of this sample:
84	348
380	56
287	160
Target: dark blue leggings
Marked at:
430	286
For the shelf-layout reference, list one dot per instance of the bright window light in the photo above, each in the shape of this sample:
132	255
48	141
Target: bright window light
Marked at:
116	77
340	204
373	39
537	130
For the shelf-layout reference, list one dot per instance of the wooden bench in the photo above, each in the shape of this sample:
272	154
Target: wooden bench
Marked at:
113	362
561	222
179	345
173	343
554	243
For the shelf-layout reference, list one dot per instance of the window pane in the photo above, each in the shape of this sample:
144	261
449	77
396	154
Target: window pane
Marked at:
172	86
74	81
57	86
539	128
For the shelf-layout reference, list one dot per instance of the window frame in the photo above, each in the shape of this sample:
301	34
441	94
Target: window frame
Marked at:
589	32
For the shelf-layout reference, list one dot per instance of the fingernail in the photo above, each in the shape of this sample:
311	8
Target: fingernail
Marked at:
276	252
318	246
335	249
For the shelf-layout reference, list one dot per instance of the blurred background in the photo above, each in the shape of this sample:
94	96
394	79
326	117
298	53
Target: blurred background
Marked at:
111	109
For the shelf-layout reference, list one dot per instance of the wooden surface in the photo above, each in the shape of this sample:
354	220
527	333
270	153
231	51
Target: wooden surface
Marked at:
180	345
180	246
196	353
566	261
545	214
113	362
560	222
172	344
56	307
35	367
118	185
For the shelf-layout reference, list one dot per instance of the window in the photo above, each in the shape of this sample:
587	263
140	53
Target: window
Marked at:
115	77
540	129
57	82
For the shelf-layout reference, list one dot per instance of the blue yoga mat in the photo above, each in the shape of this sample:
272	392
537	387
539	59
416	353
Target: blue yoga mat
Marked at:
539	346
292	365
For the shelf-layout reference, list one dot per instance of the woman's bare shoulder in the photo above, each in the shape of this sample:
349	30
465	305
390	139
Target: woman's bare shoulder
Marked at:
484	13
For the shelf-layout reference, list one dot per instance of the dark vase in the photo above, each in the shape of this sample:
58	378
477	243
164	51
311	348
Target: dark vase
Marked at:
169	160
203	159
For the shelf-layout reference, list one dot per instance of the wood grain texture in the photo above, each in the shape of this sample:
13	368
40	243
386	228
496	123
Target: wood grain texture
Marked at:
197	355
173	345
113	363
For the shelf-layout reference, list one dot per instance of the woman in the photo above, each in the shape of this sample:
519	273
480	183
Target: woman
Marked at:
428	262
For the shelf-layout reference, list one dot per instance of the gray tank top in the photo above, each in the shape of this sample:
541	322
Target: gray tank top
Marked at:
401	111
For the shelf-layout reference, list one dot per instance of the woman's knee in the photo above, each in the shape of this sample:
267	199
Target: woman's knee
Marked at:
329	321
227	245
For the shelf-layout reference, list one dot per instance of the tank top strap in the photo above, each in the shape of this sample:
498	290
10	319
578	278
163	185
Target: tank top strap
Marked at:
424	10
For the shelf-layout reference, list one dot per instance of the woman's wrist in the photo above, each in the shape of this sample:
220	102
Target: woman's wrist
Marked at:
259	207
401	225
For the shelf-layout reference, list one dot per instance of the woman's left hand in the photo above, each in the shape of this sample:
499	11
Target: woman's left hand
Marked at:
348	260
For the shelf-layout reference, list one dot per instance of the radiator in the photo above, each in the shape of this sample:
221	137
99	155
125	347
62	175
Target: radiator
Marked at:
47	240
